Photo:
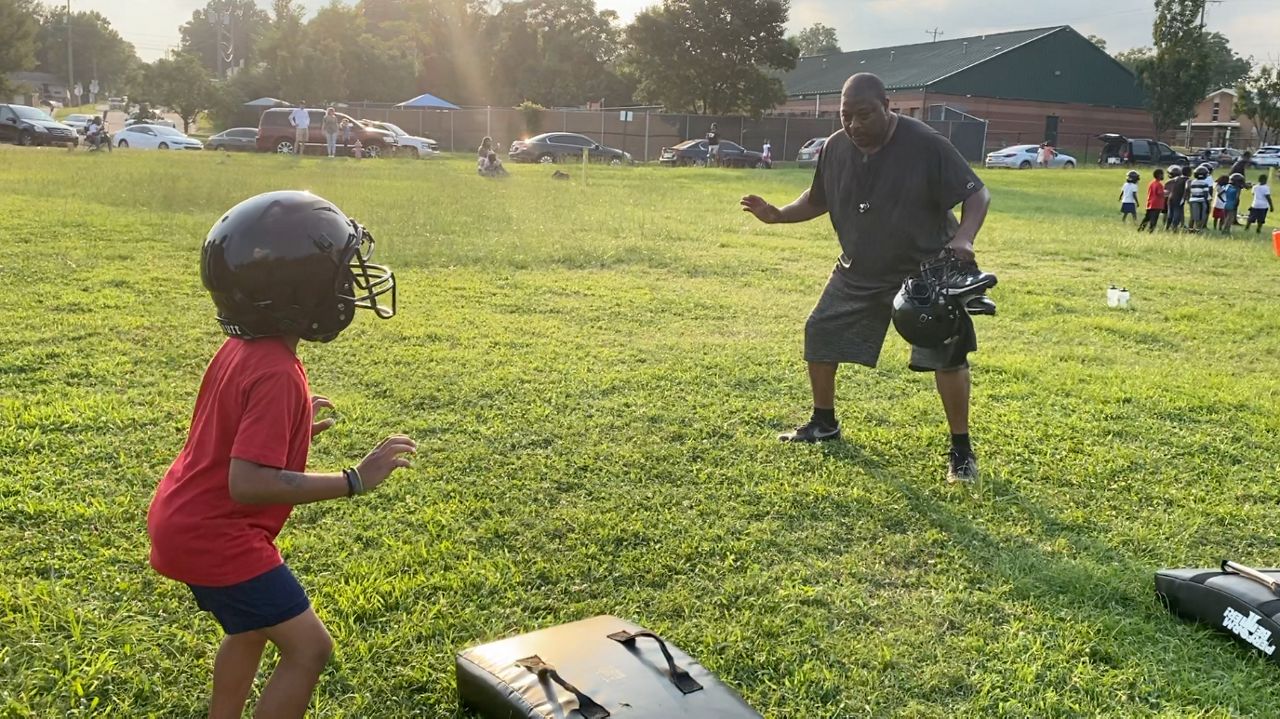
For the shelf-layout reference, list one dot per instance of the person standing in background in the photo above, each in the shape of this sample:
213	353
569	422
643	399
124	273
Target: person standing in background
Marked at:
330	127
301	121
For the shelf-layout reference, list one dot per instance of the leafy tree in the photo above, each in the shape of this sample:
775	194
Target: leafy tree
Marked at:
98	50
1135	57
1258	98
180	83
1226	68
553	52
817	39
711	57
1098	40
18	28
246	26
1177	78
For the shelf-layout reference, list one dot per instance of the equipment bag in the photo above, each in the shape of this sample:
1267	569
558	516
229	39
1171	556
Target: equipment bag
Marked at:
595	668
1238	600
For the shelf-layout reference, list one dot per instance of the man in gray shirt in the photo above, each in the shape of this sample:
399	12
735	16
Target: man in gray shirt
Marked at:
889	184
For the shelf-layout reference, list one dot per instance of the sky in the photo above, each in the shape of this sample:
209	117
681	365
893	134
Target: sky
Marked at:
152	25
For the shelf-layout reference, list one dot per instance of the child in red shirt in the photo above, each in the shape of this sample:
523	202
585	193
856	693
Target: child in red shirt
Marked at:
281	266
1155	202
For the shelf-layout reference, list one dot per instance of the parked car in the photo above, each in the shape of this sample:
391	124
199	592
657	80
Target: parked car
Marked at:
115	103
237	138
406	144
1215	156
1025	157
26	125
1266	156
155	137
155	121
561	146
694	153
275	134
809	151
1121	150
77	121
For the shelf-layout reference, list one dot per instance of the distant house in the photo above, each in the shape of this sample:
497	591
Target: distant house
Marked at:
1030	85
1216	124
37	88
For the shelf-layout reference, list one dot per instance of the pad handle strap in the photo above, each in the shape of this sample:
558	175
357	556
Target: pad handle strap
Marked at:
679	677
587	706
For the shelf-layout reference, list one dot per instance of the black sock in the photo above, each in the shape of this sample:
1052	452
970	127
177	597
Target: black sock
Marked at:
960	444
827	417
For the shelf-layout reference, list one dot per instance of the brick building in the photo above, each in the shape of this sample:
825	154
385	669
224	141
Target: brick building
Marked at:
1030	85
1217	124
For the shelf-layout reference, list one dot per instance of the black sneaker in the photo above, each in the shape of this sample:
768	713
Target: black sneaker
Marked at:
964	278
962	468
979	305
812	431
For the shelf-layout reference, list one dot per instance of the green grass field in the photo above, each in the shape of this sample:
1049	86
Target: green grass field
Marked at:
595	375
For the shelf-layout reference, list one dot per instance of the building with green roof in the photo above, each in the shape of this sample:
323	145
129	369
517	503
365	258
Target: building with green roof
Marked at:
1029	85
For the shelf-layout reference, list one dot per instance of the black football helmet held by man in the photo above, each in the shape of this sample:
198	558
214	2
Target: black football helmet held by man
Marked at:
291	263
923	312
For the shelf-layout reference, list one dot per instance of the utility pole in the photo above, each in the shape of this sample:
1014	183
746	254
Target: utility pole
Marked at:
1204	7
935	32
71	79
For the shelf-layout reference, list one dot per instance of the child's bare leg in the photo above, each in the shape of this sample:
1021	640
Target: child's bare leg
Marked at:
305	647
233	672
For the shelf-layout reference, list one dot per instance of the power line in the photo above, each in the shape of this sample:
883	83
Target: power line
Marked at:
935	32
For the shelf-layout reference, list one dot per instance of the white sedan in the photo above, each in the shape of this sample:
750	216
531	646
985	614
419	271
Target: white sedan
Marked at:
79	122
407	145
1266	156
155	137
1024	157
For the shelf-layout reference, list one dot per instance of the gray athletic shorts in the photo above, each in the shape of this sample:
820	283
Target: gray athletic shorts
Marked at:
849	323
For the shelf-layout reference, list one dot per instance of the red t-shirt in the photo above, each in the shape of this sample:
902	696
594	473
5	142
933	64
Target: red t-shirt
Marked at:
1155	195
254	404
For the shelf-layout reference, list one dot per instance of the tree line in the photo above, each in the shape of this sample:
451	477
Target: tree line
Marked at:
695	56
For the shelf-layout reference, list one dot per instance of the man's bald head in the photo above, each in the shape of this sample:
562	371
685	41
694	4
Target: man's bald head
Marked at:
864	86
864	111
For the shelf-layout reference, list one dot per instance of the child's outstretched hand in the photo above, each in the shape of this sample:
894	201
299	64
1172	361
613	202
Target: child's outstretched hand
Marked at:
385	459
318	403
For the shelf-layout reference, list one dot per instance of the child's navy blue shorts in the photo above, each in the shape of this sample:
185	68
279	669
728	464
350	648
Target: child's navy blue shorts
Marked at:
1129	208
268	599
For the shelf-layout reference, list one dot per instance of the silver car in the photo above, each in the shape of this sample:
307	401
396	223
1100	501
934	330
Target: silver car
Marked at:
1024	157
1266	156
808	156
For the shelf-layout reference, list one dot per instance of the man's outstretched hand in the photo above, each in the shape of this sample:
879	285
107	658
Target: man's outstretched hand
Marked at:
763	211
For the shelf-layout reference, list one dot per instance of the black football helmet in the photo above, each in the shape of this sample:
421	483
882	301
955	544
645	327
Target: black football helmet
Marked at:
291	263
1237	179
1175	171
923	312
1132	176
1201	173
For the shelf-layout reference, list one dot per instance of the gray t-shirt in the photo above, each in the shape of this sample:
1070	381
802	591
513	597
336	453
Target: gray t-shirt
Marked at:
330	124
892	209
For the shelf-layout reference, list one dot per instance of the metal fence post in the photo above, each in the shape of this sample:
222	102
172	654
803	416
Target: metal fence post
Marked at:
786	130
451	147
646	137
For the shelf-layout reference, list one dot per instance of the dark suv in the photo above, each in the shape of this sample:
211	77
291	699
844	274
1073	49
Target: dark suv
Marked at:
275	134
1121	150
26	125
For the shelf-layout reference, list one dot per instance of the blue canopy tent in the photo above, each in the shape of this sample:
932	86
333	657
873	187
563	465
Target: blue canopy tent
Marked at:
266	102
429	101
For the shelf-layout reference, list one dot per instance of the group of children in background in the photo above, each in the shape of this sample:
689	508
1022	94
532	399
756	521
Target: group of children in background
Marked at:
1185	202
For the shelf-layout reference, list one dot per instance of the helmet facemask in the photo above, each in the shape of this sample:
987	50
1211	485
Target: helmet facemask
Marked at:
359	284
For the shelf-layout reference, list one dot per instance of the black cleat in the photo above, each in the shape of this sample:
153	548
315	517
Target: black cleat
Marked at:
979	305
962	468
964	278
813	431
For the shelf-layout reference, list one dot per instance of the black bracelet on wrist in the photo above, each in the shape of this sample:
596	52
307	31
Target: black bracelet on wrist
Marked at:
351	484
